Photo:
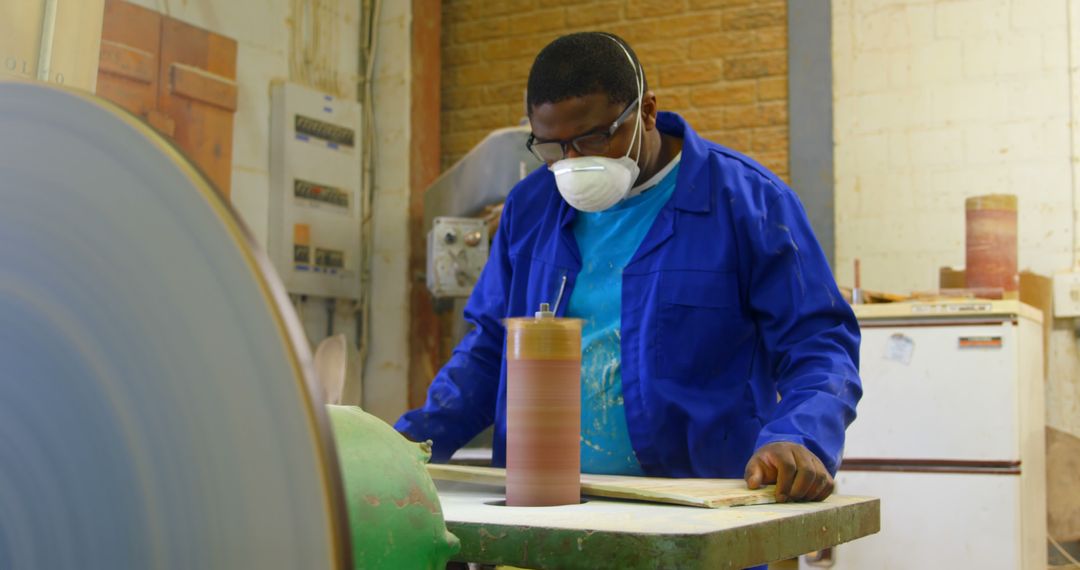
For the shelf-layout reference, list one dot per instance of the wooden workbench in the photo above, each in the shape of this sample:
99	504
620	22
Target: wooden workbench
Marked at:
626	535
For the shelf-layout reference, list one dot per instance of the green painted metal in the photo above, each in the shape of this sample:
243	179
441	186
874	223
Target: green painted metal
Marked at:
762	539
395	518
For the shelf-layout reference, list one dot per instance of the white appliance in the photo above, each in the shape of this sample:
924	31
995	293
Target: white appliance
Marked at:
950	436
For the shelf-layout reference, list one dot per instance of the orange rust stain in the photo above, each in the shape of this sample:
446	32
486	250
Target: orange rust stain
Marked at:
417	497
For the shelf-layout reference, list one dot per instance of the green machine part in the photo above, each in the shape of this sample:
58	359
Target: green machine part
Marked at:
395	518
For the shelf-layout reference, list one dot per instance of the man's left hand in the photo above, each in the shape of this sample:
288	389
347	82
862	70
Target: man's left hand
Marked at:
798	473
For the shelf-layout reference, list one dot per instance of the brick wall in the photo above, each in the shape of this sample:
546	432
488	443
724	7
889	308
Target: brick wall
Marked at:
722	64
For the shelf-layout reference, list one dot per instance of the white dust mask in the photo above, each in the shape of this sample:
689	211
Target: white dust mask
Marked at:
596	183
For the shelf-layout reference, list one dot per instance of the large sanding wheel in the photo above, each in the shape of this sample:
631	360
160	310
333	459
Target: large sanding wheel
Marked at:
157	408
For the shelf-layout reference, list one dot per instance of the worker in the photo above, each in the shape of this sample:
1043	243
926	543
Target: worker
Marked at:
702	288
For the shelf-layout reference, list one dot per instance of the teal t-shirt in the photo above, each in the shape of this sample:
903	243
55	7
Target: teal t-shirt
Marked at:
607	240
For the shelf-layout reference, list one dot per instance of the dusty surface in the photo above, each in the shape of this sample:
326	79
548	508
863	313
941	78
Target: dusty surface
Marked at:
621	534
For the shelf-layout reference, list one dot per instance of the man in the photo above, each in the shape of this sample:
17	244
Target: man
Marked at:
702	287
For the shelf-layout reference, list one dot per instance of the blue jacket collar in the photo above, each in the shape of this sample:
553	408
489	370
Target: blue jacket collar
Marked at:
688	196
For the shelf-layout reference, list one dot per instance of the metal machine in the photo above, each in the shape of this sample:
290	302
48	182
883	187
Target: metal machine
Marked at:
457	249
454	203
158	406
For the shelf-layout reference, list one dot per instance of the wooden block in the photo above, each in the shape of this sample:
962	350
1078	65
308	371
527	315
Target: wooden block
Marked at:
708	493
951	278
195	83
127	62
202	109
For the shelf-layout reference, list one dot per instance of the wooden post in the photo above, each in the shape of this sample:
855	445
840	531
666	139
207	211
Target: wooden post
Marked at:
424	328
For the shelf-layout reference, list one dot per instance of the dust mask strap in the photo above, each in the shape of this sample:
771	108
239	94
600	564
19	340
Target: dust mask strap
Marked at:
638	136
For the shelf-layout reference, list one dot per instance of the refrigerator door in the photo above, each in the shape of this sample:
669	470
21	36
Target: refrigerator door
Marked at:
945	393
934	521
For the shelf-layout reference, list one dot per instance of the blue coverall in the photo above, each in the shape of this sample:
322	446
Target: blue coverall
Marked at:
728	301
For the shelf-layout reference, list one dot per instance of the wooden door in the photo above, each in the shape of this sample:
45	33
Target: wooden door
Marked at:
128	68
198	91
177	77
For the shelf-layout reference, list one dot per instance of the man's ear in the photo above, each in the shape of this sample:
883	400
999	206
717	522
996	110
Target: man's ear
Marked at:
648	110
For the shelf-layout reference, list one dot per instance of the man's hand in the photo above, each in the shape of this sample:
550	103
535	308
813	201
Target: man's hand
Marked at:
798	473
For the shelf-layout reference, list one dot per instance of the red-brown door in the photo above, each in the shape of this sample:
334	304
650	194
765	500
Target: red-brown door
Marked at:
179	78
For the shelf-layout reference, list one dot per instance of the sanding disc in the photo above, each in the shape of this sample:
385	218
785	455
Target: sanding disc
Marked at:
156	403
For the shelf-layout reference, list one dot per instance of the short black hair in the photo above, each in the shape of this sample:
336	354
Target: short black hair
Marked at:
581	64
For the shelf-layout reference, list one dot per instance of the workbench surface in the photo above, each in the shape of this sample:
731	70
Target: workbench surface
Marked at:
604	533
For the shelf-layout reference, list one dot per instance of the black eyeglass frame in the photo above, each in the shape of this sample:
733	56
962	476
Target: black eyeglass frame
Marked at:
532	143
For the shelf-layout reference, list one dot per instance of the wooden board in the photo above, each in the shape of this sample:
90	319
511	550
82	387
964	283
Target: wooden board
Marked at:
203	130
179	78
708	493
128	68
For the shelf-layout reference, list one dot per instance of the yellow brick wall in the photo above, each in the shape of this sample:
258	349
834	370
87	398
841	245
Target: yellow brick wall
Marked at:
722	64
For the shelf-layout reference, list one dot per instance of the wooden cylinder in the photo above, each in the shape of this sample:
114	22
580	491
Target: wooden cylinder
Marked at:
991	242
543	412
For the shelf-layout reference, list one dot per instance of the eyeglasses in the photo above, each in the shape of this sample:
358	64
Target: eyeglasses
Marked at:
591	144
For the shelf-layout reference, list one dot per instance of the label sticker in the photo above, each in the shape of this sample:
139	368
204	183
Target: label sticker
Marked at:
900	348
329	258
322	193
329	132
980	342
301	244
953	308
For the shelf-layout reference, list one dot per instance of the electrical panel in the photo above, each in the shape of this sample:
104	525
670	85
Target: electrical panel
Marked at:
315	198
457	252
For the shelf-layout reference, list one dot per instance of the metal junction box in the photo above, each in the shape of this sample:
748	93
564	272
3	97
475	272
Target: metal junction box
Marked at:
457	252
315	177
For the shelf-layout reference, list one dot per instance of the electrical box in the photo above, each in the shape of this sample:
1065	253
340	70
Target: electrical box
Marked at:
1066	295
315	179
457	252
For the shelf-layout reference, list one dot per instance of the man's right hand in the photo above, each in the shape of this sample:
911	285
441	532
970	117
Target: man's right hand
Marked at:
798	473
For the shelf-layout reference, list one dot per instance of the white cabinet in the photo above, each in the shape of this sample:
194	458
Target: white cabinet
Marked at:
950	435
928	398
936	520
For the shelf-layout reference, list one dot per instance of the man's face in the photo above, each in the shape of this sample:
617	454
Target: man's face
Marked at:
580	116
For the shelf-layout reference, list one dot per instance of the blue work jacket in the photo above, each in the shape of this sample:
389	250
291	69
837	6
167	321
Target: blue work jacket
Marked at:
728	301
